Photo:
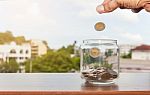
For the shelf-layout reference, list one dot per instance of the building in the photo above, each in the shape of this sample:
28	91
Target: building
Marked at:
38	48
126	49
13	51
141	52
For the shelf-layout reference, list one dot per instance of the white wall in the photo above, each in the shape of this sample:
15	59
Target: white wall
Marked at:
141	55
42	48
125	49
20	57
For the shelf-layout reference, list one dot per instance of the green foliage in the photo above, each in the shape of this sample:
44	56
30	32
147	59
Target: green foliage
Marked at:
104	64
107	65
46	44
7	37
20	39
127	55
88	59
69	49
11	67
109	52
76	63
54	62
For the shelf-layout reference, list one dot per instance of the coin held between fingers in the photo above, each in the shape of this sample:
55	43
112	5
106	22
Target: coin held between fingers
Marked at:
100	9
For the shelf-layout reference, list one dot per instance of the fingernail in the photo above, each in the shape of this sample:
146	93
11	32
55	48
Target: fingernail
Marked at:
100	9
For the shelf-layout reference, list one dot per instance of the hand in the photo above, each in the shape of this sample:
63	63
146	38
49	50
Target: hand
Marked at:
134	5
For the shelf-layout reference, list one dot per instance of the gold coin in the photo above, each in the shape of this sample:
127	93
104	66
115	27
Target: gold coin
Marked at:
99	26
94	52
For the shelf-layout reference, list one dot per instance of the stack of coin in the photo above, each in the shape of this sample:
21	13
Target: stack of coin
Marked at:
113	73
100	74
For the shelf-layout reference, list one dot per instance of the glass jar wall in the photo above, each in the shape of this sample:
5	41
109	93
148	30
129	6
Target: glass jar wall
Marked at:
99	61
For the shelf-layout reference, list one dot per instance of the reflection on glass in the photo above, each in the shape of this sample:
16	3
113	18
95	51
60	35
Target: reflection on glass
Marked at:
99	60
97	87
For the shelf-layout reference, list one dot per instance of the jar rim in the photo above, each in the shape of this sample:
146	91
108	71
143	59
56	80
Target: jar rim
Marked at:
99	41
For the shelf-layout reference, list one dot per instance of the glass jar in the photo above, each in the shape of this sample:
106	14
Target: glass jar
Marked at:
99	61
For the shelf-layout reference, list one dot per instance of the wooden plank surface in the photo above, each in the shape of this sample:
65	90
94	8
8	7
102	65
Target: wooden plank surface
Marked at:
75	93
72	84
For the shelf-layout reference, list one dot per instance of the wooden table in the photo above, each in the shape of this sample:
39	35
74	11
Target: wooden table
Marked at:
72	84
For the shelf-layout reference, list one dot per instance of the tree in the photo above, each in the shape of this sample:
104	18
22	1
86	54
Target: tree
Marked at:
54	61
6	37
76	63
20	39
109	52
69	49
127	55
11	67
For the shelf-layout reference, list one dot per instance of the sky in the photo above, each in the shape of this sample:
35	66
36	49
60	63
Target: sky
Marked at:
61	22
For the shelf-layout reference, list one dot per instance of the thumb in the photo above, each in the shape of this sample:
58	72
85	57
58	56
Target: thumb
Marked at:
108	6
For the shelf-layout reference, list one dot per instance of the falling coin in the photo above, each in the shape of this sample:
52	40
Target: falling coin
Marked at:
99	26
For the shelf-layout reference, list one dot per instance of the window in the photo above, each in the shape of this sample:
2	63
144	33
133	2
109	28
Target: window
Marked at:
13	51
21	51
27	51
20	58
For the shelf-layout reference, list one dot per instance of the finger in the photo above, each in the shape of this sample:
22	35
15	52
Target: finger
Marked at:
111	6
142	3
100	8
121	7
106	1
136	10
147	7
107	6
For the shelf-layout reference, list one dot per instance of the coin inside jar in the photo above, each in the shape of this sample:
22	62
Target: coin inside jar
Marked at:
99	26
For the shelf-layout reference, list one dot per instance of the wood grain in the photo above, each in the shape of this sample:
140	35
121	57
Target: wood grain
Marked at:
72	84
75	93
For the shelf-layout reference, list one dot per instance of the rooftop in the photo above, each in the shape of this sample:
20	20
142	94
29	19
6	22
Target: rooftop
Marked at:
142	47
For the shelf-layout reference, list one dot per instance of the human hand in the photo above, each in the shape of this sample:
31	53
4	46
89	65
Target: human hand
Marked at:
134	5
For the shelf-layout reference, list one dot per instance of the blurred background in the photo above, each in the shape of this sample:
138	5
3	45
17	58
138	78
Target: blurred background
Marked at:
44	36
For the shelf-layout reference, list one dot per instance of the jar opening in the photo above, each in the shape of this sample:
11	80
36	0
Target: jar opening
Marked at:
99	41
